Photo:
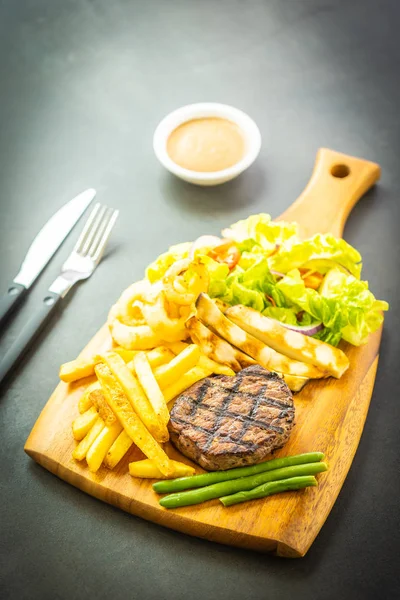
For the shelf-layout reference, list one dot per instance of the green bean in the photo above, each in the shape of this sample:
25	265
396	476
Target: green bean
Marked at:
226	488
267	489
196	481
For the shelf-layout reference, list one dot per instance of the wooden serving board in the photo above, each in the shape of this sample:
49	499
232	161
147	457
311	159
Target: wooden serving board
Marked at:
330	414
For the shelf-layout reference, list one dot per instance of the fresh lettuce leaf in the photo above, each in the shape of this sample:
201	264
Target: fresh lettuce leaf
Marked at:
344	304
254	287
321	247
284	315
248	259
243	294
260	230
218	272
328	336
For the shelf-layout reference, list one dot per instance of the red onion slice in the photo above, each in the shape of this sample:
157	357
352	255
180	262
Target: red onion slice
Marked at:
305	329
204	241
277	273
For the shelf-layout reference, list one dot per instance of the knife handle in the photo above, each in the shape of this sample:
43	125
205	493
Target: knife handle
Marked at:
28	334
10	300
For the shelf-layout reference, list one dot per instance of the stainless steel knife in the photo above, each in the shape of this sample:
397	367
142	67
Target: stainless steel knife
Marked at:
45	244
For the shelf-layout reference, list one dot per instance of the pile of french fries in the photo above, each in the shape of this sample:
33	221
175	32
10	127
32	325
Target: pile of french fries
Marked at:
150	365
129	404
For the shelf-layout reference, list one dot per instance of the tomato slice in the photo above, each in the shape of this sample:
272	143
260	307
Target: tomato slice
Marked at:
227	253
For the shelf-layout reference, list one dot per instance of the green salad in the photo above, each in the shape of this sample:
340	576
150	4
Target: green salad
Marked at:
313	285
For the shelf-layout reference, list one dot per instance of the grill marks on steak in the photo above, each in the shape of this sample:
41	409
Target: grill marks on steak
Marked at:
223	422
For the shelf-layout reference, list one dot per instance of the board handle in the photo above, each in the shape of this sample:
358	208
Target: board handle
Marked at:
338	181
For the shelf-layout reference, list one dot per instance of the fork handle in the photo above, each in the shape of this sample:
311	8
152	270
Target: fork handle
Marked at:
28	334
10	300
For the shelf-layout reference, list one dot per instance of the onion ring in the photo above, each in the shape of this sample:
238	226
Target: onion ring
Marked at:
140	337
178	289
126	320
170	329
128	308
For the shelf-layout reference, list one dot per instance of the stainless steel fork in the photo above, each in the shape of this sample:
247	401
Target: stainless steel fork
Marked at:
88	250
80	264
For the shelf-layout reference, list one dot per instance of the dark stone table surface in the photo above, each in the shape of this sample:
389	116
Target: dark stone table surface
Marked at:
83	84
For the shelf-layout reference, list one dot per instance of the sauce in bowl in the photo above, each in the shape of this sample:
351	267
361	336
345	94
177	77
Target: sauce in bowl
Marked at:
205	145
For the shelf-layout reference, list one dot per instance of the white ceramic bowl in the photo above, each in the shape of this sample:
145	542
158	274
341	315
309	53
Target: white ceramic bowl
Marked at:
249	130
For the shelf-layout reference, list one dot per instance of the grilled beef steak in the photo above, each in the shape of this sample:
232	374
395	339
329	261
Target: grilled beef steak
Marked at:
223	422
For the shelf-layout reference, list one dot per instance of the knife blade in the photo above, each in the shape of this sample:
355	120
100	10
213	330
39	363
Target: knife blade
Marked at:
43	247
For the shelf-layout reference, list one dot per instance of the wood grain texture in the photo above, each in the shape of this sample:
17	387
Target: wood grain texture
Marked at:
330	416
329	196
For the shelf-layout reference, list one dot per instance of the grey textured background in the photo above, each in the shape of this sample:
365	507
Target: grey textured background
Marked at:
83	84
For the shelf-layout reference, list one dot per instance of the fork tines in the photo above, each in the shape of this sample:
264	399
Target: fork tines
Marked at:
96	232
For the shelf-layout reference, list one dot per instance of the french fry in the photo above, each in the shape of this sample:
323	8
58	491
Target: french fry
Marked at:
147	469
125	354
263	354
76	369
85	401
84	423
119	403
102	407
136	396
184	361
118	450
177	347
159	356
150	386
207	364
185	382
101	445
82	448
156	357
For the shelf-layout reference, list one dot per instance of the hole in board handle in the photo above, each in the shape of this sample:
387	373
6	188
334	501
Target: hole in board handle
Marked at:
340	171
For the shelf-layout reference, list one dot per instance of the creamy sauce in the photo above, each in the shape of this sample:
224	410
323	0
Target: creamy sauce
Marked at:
206	145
